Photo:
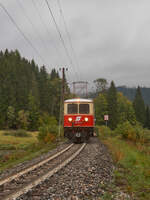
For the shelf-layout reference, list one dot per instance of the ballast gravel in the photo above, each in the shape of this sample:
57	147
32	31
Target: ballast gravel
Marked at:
81	179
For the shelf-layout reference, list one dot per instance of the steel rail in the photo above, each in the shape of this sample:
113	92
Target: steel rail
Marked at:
39	180
28	169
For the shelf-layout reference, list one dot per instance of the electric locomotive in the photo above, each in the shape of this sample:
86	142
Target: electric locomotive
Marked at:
78	119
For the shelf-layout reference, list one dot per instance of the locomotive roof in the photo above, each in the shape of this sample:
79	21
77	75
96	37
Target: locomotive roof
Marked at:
78	100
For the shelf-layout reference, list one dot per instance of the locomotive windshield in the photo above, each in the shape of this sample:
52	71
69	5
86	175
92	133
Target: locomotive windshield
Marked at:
72	108
78	108
83	108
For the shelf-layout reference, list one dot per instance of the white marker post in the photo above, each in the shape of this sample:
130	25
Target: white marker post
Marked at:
106	118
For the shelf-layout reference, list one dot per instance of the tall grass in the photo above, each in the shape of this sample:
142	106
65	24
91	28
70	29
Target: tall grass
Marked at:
131	155
14	149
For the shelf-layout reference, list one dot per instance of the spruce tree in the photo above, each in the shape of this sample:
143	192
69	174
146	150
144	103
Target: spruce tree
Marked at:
112	106
147	120
139	106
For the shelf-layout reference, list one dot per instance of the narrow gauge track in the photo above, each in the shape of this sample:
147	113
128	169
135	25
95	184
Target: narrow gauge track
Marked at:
20	183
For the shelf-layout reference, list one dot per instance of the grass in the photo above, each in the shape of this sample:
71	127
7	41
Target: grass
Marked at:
10	139
132	160
14	150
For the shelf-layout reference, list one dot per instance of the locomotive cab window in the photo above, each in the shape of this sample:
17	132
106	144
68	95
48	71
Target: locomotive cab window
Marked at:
72	109
84	109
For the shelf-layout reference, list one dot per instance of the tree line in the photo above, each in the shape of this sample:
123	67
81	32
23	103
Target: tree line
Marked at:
130	93
27	92
29	95
109	101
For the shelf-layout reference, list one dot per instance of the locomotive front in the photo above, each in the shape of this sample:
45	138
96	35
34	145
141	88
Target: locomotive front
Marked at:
78	119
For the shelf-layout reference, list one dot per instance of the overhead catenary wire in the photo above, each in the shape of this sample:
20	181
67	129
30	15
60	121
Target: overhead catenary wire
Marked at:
22	33
36	32
45	26
68	35
59	33
49	33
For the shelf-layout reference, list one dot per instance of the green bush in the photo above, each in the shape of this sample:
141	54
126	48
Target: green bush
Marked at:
126	130
47	133
49	128
45	119
134	133
104	131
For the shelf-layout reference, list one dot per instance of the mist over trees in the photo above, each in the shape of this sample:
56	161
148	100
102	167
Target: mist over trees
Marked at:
130	93
26	92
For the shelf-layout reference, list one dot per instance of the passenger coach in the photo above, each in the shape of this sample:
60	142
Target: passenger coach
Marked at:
78	119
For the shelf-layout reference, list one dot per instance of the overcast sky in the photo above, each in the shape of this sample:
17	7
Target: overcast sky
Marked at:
111	38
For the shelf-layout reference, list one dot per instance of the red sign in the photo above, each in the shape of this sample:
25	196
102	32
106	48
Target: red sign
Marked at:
106	117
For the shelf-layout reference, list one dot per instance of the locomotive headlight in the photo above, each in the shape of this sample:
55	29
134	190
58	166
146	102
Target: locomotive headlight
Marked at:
70	119
86	119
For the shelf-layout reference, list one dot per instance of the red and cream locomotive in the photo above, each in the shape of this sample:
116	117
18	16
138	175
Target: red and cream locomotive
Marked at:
78	119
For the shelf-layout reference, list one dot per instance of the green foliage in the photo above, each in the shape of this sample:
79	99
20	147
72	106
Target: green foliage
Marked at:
11	117
147	120
132	174
15	150
49	129
101	85
126	130
117	106
25	87
46	119
22	120
125	110
139	107
2	122
101	108
112	106
104	131
134	171
33	113
134	133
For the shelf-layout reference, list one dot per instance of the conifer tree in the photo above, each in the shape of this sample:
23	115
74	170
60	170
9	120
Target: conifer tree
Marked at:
147	120
139	106
21	82
33	113
100	103
54	74
43	89
112	106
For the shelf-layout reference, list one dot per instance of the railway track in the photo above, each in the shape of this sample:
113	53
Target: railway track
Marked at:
16	185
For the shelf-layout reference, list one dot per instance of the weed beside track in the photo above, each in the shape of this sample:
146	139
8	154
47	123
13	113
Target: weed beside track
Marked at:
132	162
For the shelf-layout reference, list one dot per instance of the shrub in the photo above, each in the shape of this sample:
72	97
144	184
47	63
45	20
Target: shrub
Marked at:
49	129
45	119
11	118
47	133
125	130
104	131
22	119
134	133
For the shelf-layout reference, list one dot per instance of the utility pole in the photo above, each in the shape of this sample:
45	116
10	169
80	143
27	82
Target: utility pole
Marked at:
63	85
61	117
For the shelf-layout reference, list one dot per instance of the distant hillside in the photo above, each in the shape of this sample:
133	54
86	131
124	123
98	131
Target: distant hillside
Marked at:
130	93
